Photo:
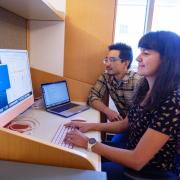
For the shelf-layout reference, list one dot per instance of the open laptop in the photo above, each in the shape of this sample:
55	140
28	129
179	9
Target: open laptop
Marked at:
57	100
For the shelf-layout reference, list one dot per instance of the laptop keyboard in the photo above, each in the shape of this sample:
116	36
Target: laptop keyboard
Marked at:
64	107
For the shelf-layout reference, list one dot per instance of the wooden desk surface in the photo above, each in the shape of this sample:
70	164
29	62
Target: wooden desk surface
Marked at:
49	124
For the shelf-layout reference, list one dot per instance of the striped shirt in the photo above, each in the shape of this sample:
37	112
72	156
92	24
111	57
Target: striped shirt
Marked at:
120	94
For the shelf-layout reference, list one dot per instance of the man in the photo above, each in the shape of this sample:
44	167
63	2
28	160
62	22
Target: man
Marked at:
118	81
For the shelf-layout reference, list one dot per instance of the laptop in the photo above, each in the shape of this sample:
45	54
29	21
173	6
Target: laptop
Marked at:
57	100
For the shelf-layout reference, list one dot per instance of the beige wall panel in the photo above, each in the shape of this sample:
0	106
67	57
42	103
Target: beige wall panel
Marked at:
88	33
46	43
78	91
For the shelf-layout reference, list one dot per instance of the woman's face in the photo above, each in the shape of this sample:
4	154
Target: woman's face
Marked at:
148	63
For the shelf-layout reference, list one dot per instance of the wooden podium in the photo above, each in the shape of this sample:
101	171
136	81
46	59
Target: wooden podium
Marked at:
37	149
18	147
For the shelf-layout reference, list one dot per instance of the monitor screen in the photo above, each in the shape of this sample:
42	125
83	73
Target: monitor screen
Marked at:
16	93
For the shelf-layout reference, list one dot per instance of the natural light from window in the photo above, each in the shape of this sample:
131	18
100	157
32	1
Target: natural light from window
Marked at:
132	20
166	15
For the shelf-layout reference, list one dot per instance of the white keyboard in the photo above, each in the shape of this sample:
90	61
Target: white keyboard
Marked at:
60	135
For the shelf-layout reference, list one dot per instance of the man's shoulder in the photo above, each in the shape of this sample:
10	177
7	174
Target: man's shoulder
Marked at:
136	76
132	75
103	78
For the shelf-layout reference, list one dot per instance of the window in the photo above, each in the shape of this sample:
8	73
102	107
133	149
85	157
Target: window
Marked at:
135	18
123	29
166	16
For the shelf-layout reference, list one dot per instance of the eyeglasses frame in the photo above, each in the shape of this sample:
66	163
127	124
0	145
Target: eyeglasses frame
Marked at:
112	60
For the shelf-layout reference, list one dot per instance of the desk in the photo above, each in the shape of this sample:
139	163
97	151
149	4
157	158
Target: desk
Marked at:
49	124
22	171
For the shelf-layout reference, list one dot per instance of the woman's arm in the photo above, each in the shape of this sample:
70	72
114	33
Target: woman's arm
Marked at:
151	142
111	127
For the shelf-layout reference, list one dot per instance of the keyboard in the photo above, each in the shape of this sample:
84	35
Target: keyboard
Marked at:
64	107
60	135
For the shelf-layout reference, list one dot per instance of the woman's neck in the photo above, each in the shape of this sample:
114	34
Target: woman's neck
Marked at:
151	83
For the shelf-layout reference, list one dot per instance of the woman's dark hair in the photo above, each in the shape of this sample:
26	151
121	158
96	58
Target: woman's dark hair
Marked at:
125	52
168	78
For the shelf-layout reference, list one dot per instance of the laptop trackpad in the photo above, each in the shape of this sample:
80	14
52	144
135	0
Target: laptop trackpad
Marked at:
74	110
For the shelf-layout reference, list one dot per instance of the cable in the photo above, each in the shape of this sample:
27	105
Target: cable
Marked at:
38	97
38	102
25	124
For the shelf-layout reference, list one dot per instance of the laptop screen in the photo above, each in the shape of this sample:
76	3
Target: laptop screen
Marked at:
55	93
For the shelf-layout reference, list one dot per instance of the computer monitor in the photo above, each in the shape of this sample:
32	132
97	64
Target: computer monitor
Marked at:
16	93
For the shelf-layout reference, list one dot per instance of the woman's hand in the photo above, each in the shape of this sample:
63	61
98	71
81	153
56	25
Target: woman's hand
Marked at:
83	127
77	138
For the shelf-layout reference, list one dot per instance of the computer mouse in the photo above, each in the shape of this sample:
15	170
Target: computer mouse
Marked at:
78	119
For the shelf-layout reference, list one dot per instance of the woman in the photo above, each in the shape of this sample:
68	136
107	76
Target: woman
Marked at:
153	120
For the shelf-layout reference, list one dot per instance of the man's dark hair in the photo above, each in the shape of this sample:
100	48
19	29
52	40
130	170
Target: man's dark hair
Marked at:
125	52
168	76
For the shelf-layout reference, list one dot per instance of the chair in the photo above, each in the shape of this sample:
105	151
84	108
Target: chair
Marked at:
148	174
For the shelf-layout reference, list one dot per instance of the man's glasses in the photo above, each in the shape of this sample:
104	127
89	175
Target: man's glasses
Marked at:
110	60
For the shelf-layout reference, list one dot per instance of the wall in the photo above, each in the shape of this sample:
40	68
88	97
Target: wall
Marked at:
78	90
89	32
46	43
59	5
12	30
46	46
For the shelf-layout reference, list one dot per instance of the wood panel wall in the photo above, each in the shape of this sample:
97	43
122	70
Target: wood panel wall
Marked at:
78	91
88	33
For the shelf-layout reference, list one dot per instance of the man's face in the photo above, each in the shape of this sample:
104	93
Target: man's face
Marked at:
116	66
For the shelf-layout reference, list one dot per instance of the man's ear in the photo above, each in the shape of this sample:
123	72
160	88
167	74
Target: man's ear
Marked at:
126	63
